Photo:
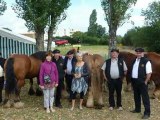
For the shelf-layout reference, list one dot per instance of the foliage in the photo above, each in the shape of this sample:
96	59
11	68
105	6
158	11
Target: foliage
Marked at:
94	29
56	15
152	13
3	6
128	38
115	15
34	12
147	36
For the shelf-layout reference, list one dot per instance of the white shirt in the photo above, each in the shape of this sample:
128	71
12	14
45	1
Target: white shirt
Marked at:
114	71
135	68
69	66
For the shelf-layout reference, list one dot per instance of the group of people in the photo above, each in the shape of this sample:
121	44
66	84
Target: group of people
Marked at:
114	70
52	73
75	71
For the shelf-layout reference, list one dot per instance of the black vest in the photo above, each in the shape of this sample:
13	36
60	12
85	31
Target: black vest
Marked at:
120	67
60	66
141	68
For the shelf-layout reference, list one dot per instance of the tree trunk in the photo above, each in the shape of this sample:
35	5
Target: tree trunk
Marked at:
39	40
112	39
50	36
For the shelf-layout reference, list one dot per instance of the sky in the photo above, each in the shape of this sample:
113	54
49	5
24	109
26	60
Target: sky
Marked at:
77	17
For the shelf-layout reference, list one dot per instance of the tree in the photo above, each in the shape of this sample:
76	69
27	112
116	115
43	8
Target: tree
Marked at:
152	13
3	6
35	13
115	15
56	15
94	29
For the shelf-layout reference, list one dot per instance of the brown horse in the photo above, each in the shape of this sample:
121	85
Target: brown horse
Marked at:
155	61
95	91
17	68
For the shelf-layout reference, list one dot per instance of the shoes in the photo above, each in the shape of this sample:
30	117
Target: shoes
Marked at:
134	111
72	108
110	108
59	106
120	108
52	110
47	110
145	116
80	107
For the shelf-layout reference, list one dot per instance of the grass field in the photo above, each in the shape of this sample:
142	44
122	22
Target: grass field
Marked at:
86	48
33	109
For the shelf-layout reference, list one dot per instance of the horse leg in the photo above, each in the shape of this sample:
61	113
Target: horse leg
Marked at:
31	90
100	80
17	103
7	103
1	87
38	90
90	102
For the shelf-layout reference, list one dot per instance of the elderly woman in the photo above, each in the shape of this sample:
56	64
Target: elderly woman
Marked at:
79	82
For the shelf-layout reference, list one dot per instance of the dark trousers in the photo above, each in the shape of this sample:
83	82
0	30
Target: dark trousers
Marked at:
75	93
1	87
141	89
69	83
115	85
59	92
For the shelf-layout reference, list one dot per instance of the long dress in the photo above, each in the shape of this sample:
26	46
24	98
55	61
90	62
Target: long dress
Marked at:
79	84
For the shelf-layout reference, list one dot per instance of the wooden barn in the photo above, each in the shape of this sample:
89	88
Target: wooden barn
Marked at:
11	42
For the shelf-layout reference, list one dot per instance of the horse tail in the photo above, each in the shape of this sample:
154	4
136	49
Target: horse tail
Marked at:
10	76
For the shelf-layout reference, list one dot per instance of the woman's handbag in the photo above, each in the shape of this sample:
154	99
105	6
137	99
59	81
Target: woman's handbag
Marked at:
47	78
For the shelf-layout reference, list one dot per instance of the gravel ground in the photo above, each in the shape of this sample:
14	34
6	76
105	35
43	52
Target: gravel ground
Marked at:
33	110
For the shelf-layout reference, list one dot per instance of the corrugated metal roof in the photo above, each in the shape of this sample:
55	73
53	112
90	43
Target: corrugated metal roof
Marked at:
16	36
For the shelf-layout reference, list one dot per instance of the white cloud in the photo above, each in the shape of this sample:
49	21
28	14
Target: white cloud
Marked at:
78	17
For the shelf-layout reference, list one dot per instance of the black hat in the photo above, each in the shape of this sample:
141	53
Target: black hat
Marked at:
115	50
69	52
56	51
139	50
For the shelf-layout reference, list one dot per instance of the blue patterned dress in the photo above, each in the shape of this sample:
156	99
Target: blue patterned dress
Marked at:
79	84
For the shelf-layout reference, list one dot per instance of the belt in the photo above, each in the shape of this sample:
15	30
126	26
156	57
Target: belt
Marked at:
115	79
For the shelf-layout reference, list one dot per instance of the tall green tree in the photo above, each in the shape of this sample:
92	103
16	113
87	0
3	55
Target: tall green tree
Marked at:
115	15
35	13
92	29
56	15
3	7
152	13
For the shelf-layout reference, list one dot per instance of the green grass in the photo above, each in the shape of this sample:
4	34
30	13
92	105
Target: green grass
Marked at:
96	49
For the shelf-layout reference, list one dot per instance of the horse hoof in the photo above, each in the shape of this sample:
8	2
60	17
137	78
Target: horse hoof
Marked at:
7	104
18	105
31	92
39	92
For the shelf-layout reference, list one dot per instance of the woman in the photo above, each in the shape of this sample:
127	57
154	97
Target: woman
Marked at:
48	81
79	82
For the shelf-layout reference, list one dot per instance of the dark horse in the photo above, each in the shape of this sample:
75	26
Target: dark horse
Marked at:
17	68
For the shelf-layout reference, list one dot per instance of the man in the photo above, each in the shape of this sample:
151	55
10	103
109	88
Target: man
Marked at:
2	61
69	62
114	70
140	75
60	66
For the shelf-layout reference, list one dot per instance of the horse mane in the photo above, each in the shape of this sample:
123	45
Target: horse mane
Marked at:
39	55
